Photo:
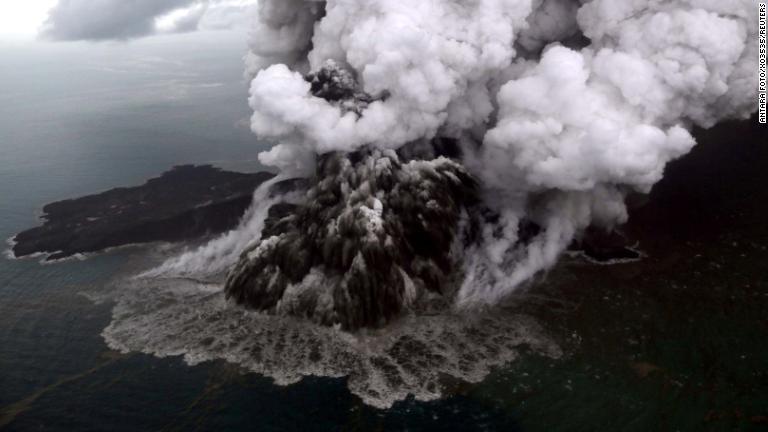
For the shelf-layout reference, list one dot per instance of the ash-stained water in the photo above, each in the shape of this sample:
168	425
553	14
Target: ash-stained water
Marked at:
183	317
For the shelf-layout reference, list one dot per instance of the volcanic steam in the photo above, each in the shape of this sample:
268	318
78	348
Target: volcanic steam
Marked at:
457	147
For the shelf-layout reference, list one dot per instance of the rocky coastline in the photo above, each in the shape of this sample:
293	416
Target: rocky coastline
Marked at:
186	202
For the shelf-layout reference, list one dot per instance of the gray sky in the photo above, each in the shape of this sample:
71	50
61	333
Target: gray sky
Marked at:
117	19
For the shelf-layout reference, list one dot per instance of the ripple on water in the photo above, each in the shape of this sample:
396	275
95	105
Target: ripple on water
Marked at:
182	317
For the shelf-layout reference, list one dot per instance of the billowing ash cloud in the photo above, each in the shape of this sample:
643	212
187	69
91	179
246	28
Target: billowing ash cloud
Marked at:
560	109
340	258
120	19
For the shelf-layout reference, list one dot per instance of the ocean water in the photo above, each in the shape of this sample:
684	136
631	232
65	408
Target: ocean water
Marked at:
676	341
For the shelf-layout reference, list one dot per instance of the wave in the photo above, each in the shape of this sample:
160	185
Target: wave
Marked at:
183	317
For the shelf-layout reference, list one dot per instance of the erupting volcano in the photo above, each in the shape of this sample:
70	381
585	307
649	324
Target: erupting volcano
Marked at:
454	149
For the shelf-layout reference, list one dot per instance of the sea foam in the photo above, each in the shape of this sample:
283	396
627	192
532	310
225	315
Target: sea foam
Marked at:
183	317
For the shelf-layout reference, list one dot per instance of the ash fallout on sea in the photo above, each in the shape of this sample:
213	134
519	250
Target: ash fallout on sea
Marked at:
455	148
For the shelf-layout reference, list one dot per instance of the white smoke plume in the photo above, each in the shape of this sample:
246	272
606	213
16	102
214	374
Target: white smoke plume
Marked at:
560	109
563	107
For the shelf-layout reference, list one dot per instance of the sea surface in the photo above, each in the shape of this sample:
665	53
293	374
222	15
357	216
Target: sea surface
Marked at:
676	341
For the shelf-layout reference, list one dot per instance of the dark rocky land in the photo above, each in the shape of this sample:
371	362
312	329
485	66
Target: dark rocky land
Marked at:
184	203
